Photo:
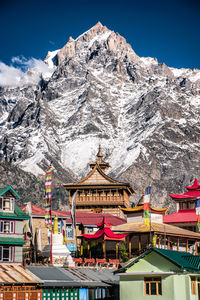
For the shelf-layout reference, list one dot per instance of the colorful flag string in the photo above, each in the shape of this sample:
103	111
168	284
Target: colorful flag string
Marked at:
146	206
48	198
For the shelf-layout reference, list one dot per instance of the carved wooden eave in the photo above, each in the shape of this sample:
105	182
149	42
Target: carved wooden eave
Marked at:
98	179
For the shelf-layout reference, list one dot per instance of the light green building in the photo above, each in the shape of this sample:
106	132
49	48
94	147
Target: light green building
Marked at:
161	274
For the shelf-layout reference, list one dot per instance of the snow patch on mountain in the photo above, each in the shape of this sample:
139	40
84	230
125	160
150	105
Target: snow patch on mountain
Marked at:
192	75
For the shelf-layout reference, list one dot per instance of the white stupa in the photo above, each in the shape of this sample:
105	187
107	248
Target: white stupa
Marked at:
60	253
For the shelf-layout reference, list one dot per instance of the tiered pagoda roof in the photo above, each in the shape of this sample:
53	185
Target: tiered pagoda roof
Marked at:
99	161
104	232
193	192
185	215
97	177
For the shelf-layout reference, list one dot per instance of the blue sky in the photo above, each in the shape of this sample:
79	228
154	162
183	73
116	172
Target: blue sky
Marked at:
168	30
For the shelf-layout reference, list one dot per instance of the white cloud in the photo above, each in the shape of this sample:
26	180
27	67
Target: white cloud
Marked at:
23	71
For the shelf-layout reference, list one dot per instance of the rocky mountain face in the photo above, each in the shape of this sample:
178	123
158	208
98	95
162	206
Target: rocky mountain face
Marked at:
145	115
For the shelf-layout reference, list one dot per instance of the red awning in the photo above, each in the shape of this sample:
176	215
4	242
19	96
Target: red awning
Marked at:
104	232
107	232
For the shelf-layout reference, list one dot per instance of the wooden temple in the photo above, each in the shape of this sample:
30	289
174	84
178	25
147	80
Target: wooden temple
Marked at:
97	192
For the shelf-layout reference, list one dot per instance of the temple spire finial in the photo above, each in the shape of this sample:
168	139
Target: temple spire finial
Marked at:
99	160
99	154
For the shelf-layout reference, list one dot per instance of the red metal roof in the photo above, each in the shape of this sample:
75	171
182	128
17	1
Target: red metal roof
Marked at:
194	192
86	218
182	216
187	195
195	185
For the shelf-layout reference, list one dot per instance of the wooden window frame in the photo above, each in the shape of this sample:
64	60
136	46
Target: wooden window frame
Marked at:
150	280
11	253
3	226
69	232
11	204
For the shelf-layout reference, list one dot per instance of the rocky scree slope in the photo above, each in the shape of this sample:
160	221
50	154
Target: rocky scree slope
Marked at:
144	114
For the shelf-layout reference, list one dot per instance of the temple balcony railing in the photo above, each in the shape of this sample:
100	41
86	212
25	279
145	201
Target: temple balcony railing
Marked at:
101	199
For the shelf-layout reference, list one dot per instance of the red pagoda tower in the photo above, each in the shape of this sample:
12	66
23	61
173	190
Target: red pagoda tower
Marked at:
185	216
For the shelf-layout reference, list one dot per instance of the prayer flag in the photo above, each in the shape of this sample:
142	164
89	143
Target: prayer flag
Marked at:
73	210
146	205
198	213
39	240
30	222
25	230
63	231
48	198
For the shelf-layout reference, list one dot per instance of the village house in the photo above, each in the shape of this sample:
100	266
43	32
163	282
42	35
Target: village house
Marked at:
18	283
161	274
11	227
77	283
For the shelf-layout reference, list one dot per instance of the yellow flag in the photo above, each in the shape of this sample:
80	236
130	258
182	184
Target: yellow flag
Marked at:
146	222
55	225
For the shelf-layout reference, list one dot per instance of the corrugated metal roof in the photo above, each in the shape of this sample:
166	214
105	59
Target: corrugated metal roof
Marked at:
86	218
18	214
75	277
157	228
182	216
186	261
50	273
11	240
17	274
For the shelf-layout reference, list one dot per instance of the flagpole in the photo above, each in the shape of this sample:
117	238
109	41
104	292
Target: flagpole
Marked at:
51	255
150	217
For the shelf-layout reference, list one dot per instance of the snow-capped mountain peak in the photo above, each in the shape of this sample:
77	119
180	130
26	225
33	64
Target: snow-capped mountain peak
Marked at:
144	113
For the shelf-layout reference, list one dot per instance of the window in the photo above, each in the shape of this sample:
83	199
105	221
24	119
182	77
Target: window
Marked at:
6	226
69	232
192	205
187	205
193	285
6	204
90	229
6	253
152	286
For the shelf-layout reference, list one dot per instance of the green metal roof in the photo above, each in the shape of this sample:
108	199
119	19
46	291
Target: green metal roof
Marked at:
186	261
4	189
18	214
11	241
